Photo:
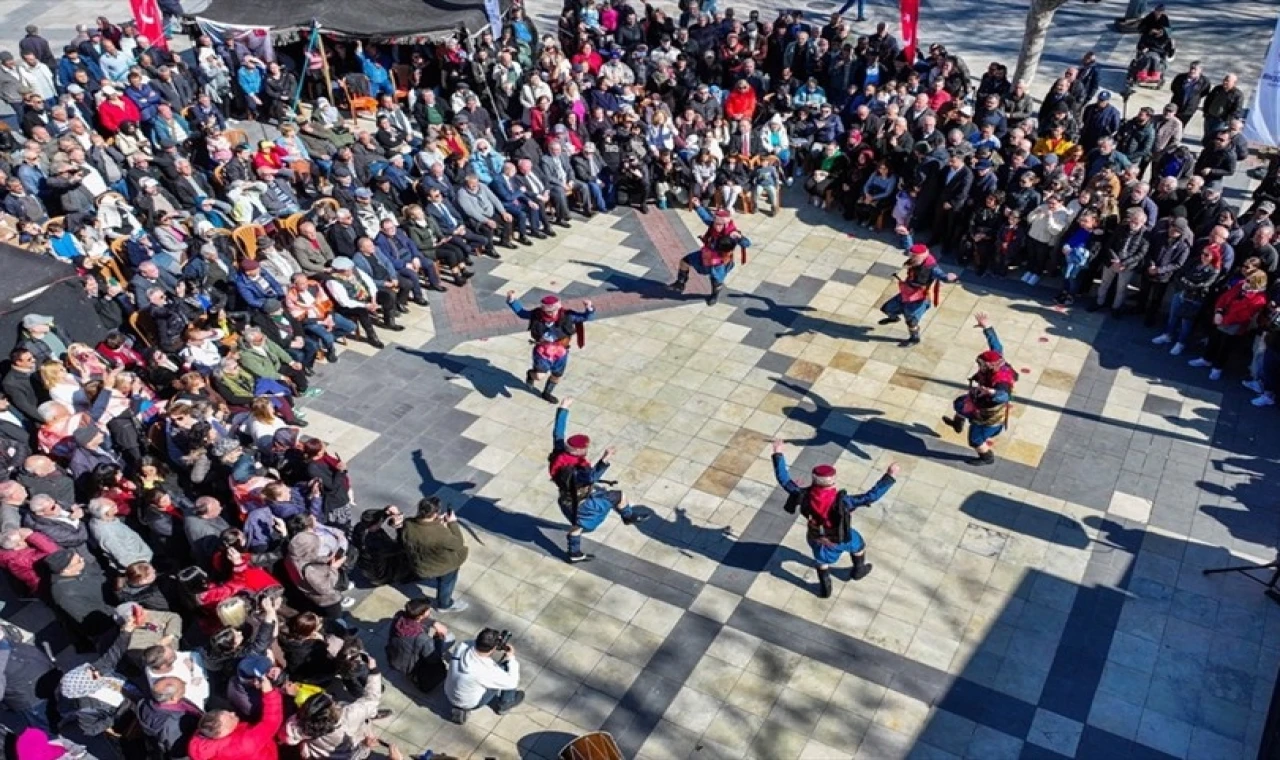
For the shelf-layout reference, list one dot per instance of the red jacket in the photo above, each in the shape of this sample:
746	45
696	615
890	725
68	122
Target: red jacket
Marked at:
246	742
740	104
1238	307
112	115
21	563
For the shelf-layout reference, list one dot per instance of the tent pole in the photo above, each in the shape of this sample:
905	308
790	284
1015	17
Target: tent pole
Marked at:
324	66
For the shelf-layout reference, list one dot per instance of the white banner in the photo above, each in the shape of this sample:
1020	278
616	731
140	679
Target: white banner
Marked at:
1263	123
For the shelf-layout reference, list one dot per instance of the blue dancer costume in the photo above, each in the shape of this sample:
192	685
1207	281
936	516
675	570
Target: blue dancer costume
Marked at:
986	406
827	512
714	259
552	329
583	500
916	292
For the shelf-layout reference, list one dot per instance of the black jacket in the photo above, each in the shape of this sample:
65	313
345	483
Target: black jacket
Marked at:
168	728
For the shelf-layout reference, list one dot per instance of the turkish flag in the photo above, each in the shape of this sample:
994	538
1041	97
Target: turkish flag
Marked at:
910	10
150	22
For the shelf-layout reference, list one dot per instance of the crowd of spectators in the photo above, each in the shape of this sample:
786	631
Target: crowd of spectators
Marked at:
155	488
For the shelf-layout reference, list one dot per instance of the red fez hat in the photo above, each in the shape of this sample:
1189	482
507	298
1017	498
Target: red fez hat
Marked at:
248	265
824	475
724	213
577	444
990	357
919	249
550	302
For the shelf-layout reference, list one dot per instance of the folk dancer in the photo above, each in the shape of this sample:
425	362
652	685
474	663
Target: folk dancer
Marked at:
916	292
827	511
715	258
986	405
552	328
583	499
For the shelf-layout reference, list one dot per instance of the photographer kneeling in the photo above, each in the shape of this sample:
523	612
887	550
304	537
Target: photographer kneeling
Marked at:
484	672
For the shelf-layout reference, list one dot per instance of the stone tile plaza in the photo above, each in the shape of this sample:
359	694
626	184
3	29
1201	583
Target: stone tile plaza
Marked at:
1048	607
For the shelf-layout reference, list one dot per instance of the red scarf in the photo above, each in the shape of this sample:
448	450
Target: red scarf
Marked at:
565	459
821	499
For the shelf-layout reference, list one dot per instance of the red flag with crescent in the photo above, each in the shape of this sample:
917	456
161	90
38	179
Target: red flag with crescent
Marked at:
150	22
910	10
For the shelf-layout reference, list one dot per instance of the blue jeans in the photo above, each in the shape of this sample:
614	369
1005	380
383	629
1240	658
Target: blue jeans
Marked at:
499	699
1271	371
444	589
596	192
1182	318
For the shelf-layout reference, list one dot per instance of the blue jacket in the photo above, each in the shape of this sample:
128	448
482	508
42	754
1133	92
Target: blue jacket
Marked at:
255	294
486	167
376	72
160	130
506	192
298	504
407	247
67	70
250	79
146	98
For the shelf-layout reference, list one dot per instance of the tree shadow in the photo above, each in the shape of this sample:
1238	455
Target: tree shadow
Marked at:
798	321
1019	517
487	378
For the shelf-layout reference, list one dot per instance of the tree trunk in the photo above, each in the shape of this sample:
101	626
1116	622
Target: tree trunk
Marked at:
1039	18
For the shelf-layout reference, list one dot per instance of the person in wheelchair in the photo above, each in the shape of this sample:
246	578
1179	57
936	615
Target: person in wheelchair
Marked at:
1155	50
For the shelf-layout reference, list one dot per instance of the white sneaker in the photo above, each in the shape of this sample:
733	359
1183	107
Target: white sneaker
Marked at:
1161	339
1199	361
1265	399
1176	350
1215	374
1253	385
348	602
458	605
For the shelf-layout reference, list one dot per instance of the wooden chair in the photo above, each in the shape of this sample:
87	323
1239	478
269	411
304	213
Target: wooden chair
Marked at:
236	137
245	238
118	249
401	77
357	103
290	223
112	269
220	176
330	205
144	327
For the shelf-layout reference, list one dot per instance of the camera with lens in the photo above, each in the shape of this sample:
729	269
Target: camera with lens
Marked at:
504	640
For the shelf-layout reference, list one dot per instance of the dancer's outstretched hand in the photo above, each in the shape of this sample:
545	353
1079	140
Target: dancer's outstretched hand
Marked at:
511	296
982	319
777	445
894	469
566	402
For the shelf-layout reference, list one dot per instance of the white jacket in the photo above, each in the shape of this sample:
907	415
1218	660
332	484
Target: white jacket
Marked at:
470	675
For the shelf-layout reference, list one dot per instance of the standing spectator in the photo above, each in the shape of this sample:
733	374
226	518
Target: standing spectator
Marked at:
1124	251
1233	315
221	735
435	549
1224	103
1187	90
